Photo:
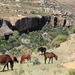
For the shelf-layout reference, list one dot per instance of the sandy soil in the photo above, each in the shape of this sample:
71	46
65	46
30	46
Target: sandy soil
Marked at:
69	64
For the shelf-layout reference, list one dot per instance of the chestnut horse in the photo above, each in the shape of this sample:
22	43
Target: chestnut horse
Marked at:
25	56
42	49
14	58
6	59
50	55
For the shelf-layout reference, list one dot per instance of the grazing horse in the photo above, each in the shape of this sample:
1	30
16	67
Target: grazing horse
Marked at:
25	56
14	58
6	59
42	49
50	55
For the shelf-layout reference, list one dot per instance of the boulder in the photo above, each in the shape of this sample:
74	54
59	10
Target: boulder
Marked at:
4	29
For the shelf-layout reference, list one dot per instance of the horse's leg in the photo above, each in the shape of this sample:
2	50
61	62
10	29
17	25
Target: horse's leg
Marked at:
45	60
30	59
52	59
42	53
7	66
49	60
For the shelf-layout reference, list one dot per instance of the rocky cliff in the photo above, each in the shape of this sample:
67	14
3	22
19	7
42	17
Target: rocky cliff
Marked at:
36	23
32	23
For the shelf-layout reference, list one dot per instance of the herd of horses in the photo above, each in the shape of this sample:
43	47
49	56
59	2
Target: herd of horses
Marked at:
6	59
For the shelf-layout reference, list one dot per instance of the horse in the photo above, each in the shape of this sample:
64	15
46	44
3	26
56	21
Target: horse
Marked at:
25	56
6	59
50	55
14	58
42	49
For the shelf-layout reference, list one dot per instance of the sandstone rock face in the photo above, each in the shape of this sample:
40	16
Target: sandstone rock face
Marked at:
54	21
31	23
62	21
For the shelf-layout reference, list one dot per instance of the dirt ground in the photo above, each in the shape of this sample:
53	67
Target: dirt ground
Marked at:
69	64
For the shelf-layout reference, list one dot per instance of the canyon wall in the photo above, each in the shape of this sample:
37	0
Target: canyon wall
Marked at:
32	23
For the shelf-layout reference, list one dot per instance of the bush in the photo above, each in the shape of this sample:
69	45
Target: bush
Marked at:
35	61
73	29
71	72
59	39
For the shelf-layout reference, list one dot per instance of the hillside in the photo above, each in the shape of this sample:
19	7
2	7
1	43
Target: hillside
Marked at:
68	52
14	10
66	61
31	8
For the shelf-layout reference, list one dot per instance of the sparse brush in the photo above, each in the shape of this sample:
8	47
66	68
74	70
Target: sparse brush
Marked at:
36	61
71	72
20	72
57	71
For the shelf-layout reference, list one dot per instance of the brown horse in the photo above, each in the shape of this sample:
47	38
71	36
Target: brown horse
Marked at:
6	59
50	55
25	56
14	58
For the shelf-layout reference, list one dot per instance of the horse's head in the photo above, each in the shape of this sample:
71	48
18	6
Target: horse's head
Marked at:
16	60
56	57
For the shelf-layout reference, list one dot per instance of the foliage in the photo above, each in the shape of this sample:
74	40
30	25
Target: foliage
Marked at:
71	72
59	71
6	45
44	37
59	39
36	61
73	28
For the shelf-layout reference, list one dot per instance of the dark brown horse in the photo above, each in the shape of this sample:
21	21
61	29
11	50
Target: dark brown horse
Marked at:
50	55
42	49
25	56
6	59
14	58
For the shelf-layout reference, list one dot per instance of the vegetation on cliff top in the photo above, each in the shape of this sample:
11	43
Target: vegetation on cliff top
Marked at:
48	36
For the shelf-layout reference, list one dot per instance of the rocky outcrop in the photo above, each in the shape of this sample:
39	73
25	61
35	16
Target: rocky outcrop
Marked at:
54	21
36	23
31	23
64	22
5	27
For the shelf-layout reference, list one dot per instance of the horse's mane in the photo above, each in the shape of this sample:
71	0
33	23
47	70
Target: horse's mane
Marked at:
53	53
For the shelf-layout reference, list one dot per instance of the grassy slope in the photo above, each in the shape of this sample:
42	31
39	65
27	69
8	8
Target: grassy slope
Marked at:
64	52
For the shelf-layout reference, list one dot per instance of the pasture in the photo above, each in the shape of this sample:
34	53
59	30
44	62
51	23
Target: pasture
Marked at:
28	68
66	61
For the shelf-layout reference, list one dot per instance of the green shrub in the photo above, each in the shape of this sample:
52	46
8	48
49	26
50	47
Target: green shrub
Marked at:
71	72
36	61
59	39
73	29
57	71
